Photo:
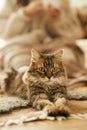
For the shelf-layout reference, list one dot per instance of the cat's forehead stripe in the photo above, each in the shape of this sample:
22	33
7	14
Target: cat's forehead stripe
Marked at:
48	61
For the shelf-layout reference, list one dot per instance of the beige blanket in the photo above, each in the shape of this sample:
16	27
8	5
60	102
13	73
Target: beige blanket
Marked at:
22	115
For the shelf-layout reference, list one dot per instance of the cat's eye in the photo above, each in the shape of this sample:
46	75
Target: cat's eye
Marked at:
55	69
41	69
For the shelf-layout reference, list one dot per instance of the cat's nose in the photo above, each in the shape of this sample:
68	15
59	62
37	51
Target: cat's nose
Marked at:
49	77
49	74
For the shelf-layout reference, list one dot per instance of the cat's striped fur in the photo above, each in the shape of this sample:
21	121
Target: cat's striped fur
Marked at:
44	83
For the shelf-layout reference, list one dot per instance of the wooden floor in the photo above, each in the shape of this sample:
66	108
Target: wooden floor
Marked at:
51	125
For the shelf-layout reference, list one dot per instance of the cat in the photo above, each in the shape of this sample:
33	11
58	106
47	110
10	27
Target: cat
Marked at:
43	84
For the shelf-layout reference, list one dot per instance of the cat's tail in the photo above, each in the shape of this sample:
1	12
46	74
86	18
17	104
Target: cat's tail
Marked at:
9	103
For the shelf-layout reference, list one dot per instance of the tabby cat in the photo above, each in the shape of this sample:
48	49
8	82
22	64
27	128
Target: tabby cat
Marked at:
43	84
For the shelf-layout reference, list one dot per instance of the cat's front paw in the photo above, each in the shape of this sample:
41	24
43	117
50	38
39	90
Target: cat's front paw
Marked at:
51	110
63	110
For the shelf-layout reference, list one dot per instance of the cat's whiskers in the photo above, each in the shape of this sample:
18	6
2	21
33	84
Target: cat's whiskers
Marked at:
45	79
59	80
49	81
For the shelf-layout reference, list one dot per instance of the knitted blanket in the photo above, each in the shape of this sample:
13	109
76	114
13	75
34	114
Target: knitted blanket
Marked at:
28	114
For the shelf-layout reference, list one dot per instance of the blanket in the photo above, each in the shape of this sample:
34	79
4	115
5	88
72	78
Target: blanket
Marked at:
28	114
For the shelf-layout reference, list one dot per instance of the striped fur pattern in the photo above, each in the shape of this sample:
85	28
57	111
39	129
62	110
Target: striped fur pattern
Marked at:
43	83
46	79
12	84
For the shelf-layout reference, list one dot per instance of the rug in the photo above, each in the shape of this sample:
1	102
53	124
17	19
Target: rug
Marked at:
23	115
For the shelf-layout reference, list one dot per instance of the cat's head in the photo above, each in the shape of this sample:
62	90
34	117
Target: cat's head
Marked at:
47	68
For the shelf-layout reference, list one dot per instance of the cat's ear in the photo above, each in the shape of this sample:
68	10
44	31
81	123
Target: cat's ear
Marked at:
59	54
34	55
